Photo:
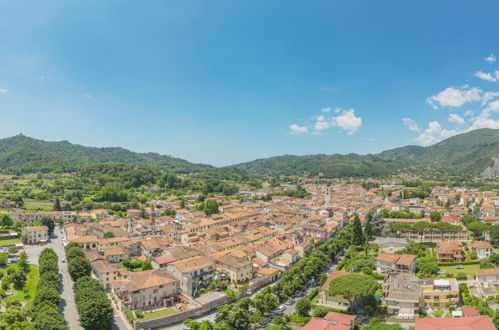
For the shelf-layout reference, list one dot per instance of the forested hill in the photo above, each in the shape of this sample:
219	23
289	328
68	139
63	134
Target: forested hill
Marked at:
465	154
22	154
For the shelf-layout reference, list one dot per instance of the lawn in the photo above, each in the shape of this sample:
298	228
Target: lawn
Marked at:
438	314
11	241
29	288
468	269
157	314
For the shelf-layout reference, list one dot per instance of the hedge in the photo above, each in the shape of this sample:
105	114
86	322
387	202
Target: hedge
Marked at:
313	294
475	262
378	276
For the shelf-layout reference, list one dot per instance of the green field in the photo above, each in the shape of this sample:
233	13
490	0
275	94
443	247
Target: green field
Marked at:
29	288
158	314
11	241
468	269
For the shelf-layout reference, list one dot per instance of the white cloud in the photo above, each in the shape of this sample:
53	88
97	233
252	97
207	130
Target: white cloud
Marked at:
348	121
326	110
296	129
411	124
322	125
486	76
434	133
319	118
456	119
491	58
468	113
3	90
455	97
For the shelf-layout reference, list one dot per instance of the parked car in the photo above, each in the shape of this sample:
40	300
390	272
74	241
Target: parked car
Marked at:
459	267
63	260
441	272
290	301
281	308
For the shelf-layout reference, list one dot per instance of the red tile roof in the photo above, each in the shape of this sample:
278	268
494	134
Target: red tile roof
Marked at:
463	323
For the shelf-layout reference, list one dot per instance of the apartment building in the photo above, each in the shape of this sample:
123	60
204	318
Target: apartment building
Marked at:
450	252
440	294
36	234
192	273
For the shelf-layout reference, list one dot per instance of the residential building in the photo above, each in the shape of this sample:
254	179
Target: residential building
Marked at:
114	255
331	321
482	249
440	294
386	262
192	273
36	234
391	244
236	269
450	252
402	294
146	289
488	275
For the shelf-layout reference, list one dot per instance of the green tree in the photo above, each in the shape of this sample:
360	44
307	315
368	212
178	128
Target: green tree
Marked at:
57	204
368	230
477	228
4	258
210	207
94	307
239	320
323	279
23	262
19	279
45	294
353	287
357	235
494	235
435	216
427	266
265	302
369	305
303	306
49	317
79	267
108	234
5	220
49	222
146	265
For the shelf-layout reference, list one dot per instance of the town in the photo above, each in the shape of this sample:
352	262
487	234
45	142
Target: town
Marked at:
376	254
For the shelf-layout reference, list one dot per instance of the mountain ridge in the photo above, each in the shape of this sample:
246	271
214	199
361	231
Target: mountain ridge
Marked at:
470	153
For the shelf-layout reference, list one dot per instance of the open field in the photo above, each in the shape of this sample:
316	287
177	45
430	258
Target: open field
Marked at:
158	314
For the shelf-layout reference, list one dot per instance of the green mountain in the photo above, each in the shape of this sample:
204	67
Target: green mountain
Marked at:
465	154
22	154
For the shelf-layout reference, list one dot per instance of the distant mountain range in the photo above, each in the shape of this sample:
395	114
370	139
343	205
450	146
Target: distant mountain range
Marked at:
471	153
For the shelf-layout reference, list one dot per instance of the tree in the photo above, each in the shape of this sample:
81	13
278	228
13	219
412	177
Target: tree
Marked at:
467	218
4	257
94	307
378	225
477	228
427	266
49	222
323	279
79	267
210	207
239	320
265	302
494	235
19	279
49	317
45	294
353	287
435	216
369	305
182	203
357	235
368	230
108	234
320	311
303	306
146	265
23	262
5	220
57	204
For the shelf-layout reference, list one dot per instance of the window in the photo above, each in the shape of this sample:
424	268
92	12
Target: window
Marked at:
155	291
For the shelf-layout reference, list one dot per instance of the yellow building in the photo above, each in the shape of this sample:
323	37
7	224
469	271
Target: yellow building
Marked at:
440	294
36	234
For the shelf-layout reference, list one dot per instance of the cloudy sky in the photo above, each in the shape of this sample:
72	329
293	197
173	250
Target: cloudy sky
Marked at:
222	82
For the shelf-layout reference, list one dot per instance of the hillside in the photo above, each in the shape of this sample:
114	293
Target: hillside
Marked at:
465	154
22	154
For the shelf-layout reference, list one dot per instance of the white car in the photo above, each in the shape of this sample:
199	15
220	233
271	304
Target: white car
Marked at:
281	308
63	261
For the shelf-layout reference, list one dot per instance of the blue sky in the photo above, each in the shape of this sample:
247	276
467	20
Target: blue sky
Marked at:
223	82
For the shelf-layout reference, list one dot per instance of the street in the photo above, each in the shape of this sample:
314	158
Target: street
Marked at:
68	306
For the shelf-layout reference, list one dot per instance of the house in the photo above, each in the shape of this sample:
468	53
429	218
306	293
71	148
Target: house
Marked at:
390	244
450	252
440	294
235	268
162	261
488	275
192	273
402	294
470	311
36	234
114	255
145	289
332	321
482	249
482	322
105	272
386	262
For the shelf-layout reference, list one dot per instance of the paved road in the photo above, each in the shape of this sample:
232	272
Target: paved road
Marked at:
68	306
